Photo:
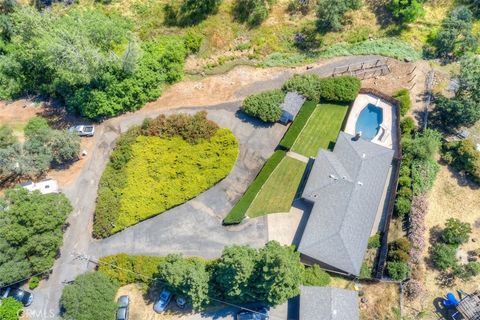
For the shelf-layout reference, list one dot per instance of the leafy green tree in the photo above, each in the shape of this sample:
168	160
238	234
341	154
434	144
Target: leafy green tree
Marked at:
278	273
185	276
406	10
233	273
90	296
30	232
265	105
10	309
469	80
309	85
425	145
37	126
65	146
252	12
456	232
444	256
331	13
6	136
463	156
455	38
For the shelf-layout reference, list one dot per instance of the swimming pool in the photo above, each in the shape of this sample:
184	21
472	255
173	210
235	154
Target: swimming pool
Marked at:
369	121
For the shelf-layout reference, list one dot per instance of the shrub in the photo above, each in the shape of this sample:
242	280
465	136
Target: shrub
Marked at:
406	11
127	269
192	129
298	124
398	255
398	270
33	283
90	296
237	214
252	12
365	271
405	193
193	41
473	268
6	136
402	206
413	289
424	147
340	89
36	126
403	96
405	181
463	156
374	241
265	105
189	12
444	256
407	126
309	85
456	232
331	13
424	173
314	276
405	169
10	309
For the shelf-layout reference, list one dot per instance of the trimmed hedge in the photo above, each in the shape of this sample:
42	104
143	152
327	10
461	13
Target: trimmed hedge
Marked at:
265	105
315	88
127	269
403	96
298	124
237	214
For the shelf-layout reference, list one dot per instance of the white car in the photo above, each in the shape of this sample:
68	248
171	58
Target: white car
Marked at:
83	130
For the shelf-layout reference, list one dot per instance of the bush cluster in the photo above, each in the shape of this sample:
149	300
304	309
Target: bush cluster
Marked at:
315	88
33	283
463	156
137	182
237	214
314	276
265	105
189	12
127	269
403	96
10	309
252	12
398	258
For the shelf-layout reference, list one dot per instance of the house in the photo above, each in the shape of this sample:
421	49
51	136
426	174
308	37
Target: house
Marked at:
347	189
328	303
291	106
45	186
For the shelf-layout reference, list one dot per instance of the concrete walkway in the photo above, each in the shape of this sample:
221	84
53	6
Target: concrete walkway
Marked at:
297	156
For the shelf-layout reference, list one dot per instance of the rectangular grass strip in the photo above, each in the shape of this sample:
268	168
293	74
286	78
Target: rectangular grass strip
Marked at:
237	214
278	193
321	130
296	127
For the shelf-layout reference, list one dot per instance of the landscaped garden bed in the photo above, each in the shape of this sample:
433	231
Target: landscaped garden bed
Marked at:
164	163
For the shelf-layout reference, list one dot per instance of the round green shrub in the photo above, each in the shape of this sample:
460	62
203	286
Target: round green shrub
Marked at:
444	256
398	270
403	205
456	232
405	192
314	276
403	96
405	182
405	169
33	283
265	105
340	89
398	255
407	125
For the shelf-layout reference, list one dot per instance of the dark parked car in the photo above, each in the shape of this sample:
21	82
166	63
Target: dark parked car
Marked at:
122	311
259	314
181	302
20	295
162	301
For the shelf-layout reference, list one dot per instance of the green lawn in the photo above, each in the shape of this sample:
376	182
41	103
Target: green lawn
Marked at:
278	192
321	130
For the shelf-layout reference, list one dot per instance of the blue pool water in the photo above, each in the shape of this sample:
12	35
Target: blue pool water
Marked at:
369	121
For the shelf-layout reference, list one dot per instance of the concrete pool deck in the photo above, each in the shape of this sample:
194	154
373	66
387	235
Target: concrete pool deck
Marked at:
388	130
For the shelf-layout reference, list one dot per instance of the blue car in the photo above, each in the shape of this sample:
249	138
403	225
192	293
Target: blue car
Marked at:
162	302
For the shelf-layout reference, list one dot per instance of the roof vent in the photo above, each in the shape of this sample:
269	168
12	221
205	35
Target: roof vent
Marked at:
363	155
360	183
334	177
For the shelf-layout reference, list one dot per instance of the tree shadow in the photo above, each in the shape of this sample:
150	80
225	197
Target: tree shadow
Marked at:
435	234
462	179
257	123
441	311
383	16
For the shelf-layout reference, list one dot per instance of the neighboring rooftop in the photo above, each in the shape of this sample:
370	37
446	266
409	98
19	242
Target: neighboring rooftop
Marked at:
45	186
327	303
347	189
291	106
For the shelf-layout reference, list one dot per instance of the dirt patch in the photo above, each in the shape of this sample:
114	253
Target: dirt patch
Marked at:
379	301
451	197
17	114
143	310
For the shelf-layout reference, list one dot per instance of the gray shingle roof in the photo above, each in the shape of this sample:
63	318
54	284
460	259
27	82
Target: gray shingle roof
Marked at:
346	188
327	303
292	104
